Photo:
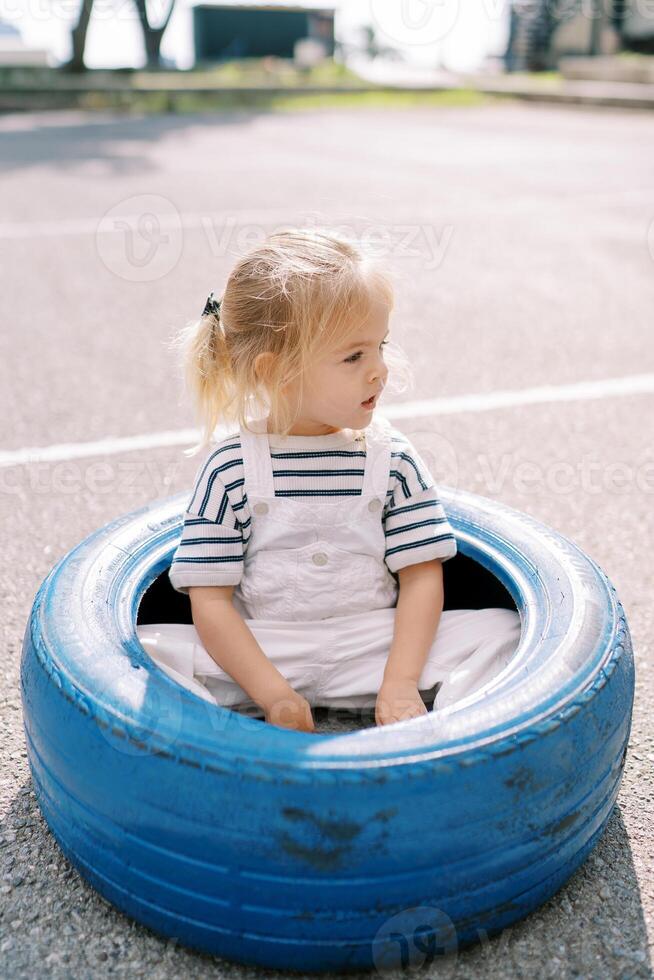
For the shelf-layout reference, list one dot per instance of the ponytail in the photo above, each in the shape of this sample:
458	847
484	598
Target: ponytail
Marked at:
207	374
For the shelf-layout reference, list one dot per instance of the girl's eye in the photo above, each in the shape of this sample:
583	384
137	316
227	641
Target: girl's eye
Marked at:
355	357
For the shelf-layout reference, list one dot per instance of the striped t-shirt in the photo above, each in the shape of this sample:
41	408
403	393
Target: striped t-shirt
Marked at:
216	527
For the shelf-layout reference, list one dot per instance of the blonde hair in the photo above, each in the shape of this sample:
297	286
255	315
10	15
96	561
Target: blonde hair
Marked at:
297	295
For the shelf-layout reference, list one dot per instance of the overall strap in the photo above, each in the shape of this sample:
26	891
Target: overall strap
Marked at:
257	461
257	464
378	458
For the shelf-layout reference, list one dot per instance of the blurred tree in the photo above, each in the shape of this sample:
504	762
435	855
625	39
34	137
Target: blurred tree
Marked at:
76	62
152	36
373	48
371	45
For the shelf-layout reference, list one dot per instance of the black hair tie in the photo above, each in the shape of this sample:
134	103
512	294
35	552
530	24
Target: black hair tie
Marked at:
211	306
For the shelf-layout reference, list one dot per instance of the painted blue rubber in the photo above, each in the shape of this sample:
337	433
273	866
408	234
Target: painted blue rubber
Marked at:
373	848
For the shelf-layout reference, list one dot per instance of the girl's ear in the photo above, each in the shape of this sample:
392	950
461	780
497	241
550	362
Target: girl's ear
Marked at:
261	365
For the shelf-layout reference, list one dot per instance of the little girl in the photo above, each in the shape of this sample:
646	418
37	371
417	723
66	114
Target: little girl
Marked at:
313	541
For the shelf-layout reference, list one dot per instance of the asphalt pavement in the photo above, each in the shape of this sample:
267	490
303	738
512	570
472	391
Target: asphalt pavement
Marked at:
521	238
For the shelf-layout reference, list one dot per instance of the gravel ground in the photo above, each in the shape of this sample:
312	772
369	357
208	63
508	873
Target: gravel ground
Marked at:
531	263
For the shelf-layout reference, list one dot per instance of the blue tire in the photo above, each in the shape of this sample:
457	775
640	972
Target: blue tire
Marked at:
374	848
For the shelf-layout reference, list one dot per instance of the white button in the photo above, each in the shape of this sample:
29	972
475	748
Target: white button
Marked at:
374	504
261	508
320	558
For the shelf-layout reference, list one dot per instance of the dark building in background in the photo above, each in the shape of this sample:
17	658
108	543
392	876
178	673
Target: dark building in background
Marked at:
221	33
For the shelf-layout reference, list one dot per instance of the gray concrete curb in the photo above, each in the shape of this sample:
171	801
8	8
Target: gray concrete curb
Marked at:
586	93
633	95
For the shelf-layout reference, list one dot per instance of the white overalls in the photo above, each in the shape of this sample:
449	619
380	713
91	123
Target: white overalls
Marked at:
320	599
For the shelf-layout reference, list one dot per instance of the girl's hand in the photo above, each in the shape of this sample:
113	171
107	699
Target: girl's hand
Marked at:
397	700
290	710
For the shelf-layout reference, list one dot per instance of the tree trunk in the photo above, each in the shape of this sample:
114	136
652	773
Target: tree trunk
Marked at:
152	36
76	61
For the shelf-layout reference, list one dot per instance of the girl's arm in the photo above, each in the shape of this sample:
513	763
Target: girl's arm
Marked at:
418	613
228	640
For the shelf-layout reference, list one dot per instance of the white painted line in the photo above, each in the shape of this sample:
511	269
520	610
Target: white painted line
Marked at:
634	384
102	447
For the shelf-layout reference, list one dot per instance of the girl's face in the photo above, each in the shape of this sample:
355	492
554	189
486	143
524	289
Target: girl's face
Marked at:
336	386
